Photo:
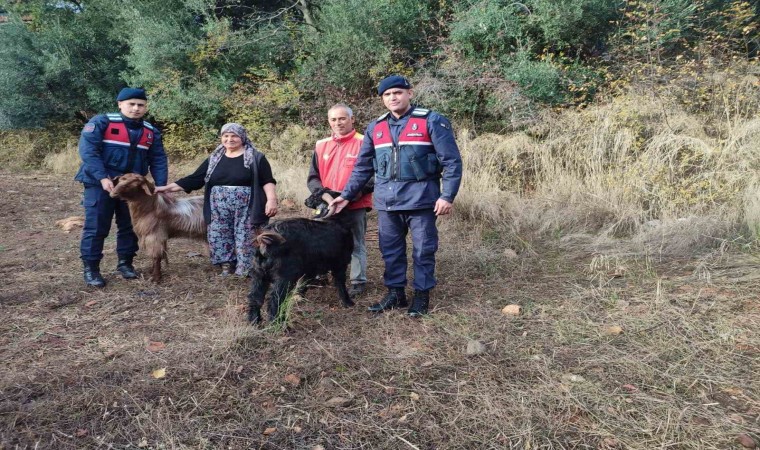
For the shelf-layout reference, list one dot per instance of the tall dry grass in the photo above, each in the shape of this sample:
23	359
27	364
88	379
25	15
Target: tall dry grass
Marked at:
623	168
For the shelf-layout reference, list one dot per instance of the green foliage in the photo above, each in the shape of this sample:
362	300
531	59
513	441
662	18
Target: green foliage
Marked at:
263	103
361	42
184	141
59	63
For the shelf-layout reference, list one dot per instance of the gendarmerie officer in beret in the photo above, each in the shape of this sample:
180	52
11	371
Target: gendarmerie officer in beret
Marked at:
418	170
111	145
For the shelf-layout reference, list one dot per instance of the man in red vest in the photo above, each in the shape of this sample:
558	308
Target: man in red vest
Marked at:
412	153
331	166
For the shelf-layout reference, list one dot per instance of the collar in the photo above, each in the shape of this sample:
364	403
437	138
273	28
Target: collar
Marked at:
131	123
403	116
344	138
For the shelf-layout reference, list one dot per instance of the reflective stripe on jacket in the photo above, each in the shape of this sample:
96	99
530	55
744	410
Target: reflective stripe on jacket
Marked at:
413	157
106	150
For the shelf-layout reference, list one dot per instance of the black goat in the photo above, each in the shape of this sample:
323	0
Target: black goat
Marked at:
293	249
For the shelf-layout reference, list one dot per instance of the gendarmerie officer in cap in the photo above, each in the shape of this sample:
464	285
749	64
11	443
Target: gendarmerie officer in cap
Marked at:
418	170
112	145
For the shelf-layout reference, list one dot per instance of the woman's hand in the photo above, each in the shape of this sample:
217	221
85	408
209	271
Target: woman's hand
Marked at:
270	209
174	187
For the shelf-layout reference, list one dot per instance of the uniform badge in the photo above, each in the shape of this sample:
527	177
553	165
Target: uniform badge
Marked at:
150	135
89	128
414	127
379	134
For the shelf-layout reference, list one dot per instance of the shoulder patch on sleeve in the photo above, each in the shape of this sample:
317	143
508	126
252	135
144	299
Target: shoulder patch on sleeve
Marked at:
89	128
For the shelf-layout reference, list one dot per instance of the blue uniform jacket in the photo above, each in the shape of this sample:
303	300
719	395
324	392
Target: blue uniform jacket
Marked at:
392	195
102	160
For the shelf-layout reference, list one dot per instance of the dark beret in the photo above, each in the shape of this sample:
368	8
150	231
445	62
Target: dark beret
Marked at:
393	81
128	93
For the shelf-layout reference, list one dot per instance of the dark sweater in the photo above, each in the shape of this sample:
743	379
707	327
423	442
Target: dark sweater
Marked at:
232	172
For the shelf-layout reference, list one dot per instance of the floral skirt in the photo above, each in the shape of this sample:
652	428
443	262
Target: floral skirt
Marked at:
230	233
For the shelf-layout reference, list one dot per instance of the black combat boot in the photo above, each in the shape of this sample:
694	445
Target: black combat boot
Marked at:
420	303
395	298
125	267
92	275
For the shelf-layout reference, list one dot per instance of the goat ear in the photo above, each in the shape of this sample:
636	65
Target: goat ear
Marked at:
147	189
116	180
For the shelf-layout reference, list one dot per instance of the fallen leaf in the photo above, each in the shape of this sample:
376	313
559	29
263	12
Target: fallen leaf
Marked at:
292	379
91	303
475	347
511	310
630	388
155	346
613	330
297	429
509	253
700	421
746	441
70	223
414	396
337	401
269	431
736	418
82	432
317	447
390	390
159	373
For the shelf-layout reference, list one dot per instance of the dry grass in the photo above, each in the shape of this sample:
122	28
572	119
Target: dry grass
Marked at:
638	287
681	374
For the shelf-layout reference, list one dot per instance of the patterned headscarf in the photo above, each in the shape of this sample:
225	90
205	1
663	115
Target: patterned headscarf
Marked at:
216	155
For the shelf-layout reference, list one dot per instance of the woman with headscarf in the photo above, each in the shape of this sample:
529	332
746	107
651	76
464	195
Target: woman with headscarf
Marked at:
240	196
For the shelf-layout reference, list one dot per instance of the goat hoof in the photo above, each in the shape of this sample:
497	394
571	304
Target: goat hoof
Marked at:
254	316
349	304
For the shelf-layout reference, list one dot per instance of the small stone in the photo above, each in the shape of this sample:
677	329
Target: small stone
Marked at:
573	378
511	310
475	347
414	396
509	253
270	430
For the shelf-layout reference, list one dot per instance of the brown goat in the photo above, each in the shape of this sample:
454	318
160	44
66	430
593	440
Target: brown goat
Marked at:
156	219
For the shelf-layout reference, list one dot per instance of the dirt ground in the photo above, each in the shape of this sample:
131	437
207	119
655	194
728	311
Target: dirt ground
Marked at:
635	351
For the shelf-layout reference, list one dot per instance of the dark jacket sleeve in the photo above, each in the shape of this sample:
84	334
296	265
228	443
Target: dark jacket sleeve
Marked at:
157	160
314	181
447	151
196	180
265	172
363	170
90	147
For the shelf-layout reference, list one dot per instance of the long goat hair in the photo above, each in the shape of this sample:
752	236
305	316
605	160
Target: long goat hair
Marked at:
156	219
289	250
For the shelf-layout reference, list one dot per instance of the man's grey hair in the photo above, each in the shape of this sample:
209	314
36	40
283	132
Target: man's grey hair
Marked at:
342	106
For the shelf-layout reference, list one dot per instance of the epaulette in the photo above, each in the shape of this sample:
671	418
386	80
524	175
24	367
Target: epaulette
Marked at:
420	112
114	117
383	116
148	125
